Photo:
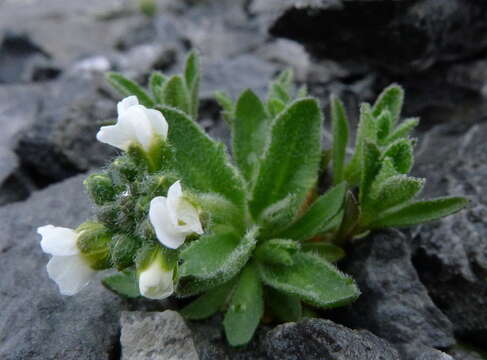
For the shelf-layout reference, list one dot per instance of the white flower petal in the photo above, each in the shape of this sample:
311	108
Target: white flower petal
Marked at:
120	135
71	273
165	230
155	282
126	103
158	122
137	115
58	240
188	218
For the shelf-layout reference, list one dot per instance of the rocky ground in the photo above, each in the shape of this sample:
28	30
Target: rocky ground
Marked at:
424	290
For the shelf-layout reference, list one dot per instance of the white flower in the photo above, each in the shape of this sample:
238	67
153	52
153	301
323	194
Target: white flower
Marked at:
135	124
67	267
174	217
155	282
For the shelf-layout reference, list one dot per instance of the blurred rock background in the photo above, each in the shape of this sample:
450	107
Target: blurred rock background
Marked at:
424	290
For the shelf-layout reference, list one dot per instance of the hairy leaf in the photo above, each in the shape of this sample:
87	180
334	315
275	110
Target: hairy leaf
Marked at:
402	130
213	260
175	94
366	132
327	251
156	81
246	308
192	79
292	158
123	283
127	87
390	99
371	166
201	162
401	153
249	133
384	125
420	212
227	105
209	303
397	190
285	307
277	251
312	279
340	130
316	218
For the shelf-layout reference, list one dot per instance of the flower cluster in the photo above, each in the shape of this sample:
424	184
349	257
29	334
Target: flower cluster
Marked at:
173	217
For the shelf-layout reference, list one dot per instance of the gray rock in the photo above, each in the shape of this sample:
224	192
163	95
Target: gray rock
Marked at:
23	61
37	322
451	255
322	339
62	142
394	303
466	353
236	74
156	336
373	31
14	186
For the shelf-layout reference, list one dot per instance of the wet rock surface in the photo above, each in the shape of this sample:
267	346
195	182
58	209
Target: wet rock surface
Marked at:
394	303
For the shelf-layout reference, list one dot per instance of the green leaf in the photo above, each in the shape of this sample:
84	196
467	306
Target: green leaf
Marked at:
384	125
175	94
275	106
350	218
277	251
277	91
285	307
402	130
156	81
192	79
312	279
420	212
391	99
213	260
401	153
200	161
123	283
246	308
209	303
227	104
366	132
249	133
327	251
127	87
340	130
371	166
292	159
397	190
316	218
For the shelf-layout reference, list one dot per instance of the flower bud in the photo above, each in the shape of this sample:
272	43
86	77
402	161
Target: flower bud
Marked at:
123	170
155	267
100	187
123	249
93	242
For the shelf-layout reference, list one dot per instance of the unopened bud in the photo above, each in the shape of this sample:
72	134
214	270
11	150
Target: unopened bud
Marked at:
100	187
93	242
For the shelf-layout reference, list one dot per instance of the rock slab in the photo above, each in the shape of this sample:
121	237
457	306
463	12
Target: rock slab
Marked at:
156	336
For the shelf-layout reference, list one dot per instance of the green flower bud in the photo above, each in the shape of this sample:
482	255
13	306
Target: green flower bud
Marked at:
100	187
93	242
123	250
123	170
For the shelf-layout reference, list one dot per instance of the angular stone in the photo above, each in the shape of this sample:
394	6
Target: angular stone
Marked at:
316	339
451	255
62	142
37	322
394	304
156	336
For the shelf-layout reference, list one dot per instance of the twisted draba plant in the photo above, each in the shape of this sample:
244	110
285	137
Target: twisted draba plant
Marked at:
177	215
